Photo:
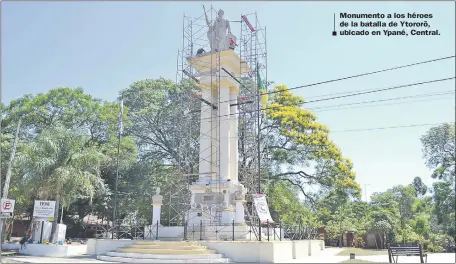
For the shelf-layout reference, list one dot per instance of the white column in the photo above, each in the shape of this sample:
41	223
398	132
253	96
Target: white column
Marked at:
234	153
224	113
205	154
156	208
214	131
239	212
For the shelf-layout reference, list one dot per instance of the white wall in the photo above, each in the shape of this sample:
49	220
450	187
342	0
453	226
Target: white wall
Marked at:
244	251
101	246
36	233
267	252
47	229
11	246
164	231
282	251
300	249
50	250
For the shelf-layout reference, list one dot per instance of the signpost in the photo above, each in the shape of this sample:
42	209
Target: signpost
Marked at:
7	208
43	211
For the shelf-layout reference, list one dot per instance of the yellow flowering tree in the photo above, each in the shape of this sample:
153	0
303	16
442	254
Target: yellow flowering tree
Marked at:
299	147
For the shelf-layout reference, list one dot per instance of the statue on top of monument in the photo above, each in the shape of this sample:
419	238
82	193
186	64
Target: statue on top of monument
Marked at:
219	39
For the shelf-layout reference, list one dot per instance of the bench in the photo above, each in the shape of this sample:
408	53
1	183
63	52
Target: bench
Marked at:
406	251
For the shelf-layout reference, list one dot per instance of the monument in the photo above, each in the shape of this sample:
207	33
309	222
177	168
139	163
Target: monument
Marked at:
217	197
219	38
157	202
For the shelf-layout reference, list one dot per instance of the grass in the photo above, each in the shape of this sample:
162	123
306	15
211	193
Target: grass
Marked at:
356	261
362	252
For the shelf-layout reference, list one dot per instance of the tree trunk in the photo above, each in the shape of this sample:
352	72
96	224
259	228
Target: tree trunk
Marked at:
54	233
375	239
8	176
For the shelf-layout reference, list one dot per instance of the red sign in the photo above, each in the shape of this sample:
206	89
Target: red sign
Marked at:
6	205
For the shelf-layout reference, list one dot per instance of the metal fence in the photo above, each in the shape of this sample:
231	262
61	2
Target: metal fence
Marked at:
203	231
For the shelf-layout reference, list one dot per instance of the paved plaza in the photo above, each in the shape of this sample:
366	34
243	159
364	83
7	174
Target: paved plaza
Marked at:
328	256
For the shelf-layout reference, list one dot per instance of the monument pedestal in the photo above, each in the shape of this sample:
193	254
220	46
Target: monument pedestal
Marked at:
214	204
217	197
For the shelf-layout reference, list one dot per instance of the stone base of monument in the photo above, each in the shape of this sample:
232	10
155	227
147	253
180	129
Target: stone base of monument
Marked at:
164	252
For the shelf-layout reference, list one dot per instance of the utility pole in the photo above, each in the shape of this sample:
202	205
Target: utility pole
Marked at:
120	128
8	176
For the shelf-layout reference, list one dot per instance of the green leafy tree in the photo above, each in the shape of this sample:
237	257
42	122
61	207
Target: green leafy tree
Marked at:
341	223
440	155
57	165
75	110
439	151
162	118
420	187
284	199
385	216
445	206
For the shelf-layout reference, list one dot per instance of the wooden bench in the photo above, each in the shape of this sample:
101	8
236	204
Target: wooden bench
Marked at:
406	251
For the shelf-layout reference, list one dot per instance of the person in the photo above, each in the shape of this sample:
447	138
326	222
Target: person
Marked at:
26	239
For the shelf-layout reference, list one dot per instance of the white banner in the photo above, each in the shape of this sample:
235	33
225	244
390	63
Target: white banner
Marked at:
262	208
44	209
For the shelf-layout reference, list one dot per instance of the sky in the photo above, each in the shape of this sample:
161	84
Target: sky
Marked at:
106	46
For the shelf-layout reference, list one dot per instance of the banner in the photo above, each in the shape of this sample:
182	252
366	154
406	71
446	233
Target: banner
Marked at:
44	209
262	208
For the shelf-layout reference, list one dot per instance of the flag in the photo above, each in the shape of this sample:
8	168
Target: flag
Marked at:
121	118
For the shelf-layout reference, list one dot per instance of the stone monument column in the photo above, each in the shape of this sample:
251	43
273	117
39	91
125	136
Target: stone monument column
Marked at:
234	153
157	202
205	155
224	139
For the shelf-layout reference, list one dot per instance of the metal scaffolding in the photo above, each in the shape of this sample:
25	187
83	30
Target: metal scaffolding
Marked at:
252	50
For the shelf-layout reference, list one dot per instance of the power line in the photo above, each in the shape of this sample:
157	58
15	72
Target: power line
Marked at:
391	127
353	76
367	73
342	96
395	103
388	99
380	90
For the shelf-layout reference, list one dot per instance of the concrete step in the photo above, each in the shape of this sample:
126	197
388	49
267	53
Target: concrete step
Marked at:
154	246
168	251
159	256
146	260
166	243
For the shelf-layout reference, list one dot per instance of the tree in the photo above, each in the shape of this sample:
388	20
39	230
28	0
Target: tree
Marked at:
444	198
297	142
341	223
439	151
284	199
419	185
162	118
74	110
57	165
385	216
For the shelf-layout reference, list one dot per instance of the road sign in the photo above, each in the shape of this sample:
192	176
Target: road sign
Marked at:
44	209
7	207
